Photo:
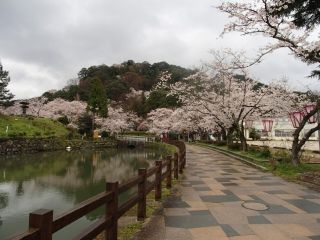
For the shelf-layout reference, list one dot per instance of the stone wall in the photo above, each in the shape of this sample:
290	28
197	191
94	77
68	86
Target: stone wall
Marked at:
23	145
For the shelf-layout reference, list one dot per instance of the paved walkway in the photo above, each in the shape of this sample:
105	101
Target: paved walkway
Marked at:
209	204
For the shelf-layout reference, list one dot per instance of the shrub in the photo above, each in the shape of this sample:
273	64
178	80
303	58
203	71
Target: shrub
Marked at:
37	134
173	136
220	143
29	117
17	134
73	134
265	152
234	146
85	125
47	133
282	154
64	120
254	149
104	134
254	135
206	141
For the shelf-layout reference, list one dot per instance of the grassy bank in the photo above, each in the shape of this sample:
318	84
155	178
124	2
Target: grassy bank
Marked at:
164	147
29	127
264	158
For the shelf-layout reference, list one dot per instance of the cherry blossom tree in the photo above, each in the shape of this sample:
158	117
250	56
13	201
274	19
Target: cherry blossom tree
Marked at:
117	121
159	120
178	120
291	24
39	107
298	140
60	107
229	96
262	17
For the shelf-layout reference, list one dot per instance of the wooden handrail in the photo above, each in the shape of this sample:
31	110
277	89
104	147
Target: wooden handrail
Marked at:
32	234
42	225
152	171
80	210
129	184
127	205
93	230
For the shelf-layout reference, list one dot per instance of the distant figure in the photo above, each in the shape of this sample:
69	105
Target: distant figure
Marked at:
212	138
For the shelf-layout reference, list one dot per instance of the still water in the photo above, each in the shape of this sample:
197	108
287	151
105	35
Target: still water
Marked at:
59	180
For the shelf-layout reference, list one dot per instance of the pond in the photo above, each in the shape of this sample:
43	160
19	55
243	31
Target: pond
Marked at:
60	180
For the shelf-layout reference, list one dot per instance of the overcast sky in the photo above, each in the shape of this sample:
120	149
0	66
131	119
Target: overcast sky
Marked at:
43	43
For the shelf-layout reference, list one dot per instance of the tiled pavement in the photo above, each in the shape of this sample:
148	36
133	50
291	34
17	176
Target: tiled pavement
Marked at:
209	204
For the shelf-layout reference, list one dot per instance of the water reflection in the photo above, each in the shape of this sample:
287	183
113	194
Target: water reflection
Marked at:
60	180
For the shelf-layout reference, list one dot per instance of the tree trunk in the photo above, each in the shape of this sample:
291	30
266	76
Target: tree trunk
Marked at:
243	140
295	154
229	135
229	138
295	148
223	135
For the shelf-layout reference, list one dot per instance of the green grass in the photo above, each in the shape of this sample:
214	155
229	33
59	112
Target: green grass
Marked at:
166	148
30	127
283	169
291	172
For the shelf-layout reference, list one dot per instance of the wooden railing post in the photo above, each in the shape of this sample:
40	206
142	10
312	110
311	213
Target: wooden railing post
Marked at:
142	204
175	166
180	163
42	219
111	232
158	186
169	172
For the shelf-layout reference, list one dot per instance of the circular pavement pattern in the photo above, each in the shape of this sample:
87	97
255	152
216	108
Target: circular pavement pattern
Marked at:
255	206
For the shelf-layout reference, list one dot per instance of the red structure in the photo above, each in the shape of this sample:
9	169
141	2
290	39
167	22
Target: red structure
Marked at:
296	118
267	125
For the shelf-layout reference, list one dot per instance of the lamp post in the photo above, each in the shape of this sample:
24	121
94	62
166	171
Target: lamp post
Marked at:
24	106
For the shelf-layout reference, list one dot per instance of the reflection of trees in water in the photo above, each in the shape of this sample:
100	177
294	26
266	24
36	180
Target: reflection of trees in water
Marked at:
4	199
20	190
75	176
28	166
78	175
94	166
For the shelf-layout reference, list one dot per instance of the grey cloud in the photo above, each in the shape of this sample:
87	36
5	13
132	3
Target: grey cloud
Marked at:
44	43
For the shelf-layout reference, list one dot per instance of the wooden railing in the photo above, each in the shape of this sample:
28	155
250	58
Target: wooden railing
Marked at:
42	225
182	153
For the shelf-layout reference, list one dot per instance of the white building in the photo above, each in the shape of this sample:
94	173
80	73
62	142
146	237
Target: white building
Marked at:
282	129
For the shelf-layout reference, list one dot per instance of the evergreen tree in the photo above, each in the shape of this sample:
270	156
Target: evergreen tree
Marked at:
5	95
97	102
304	13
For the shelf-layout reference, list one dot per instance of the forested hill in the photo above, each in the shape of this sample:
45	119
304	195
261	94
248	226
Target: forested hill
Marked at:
117	82
119	78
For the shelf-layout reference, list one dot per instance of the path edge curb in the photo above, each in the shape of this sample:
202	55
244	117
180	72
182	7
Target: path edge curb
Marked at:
262	168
